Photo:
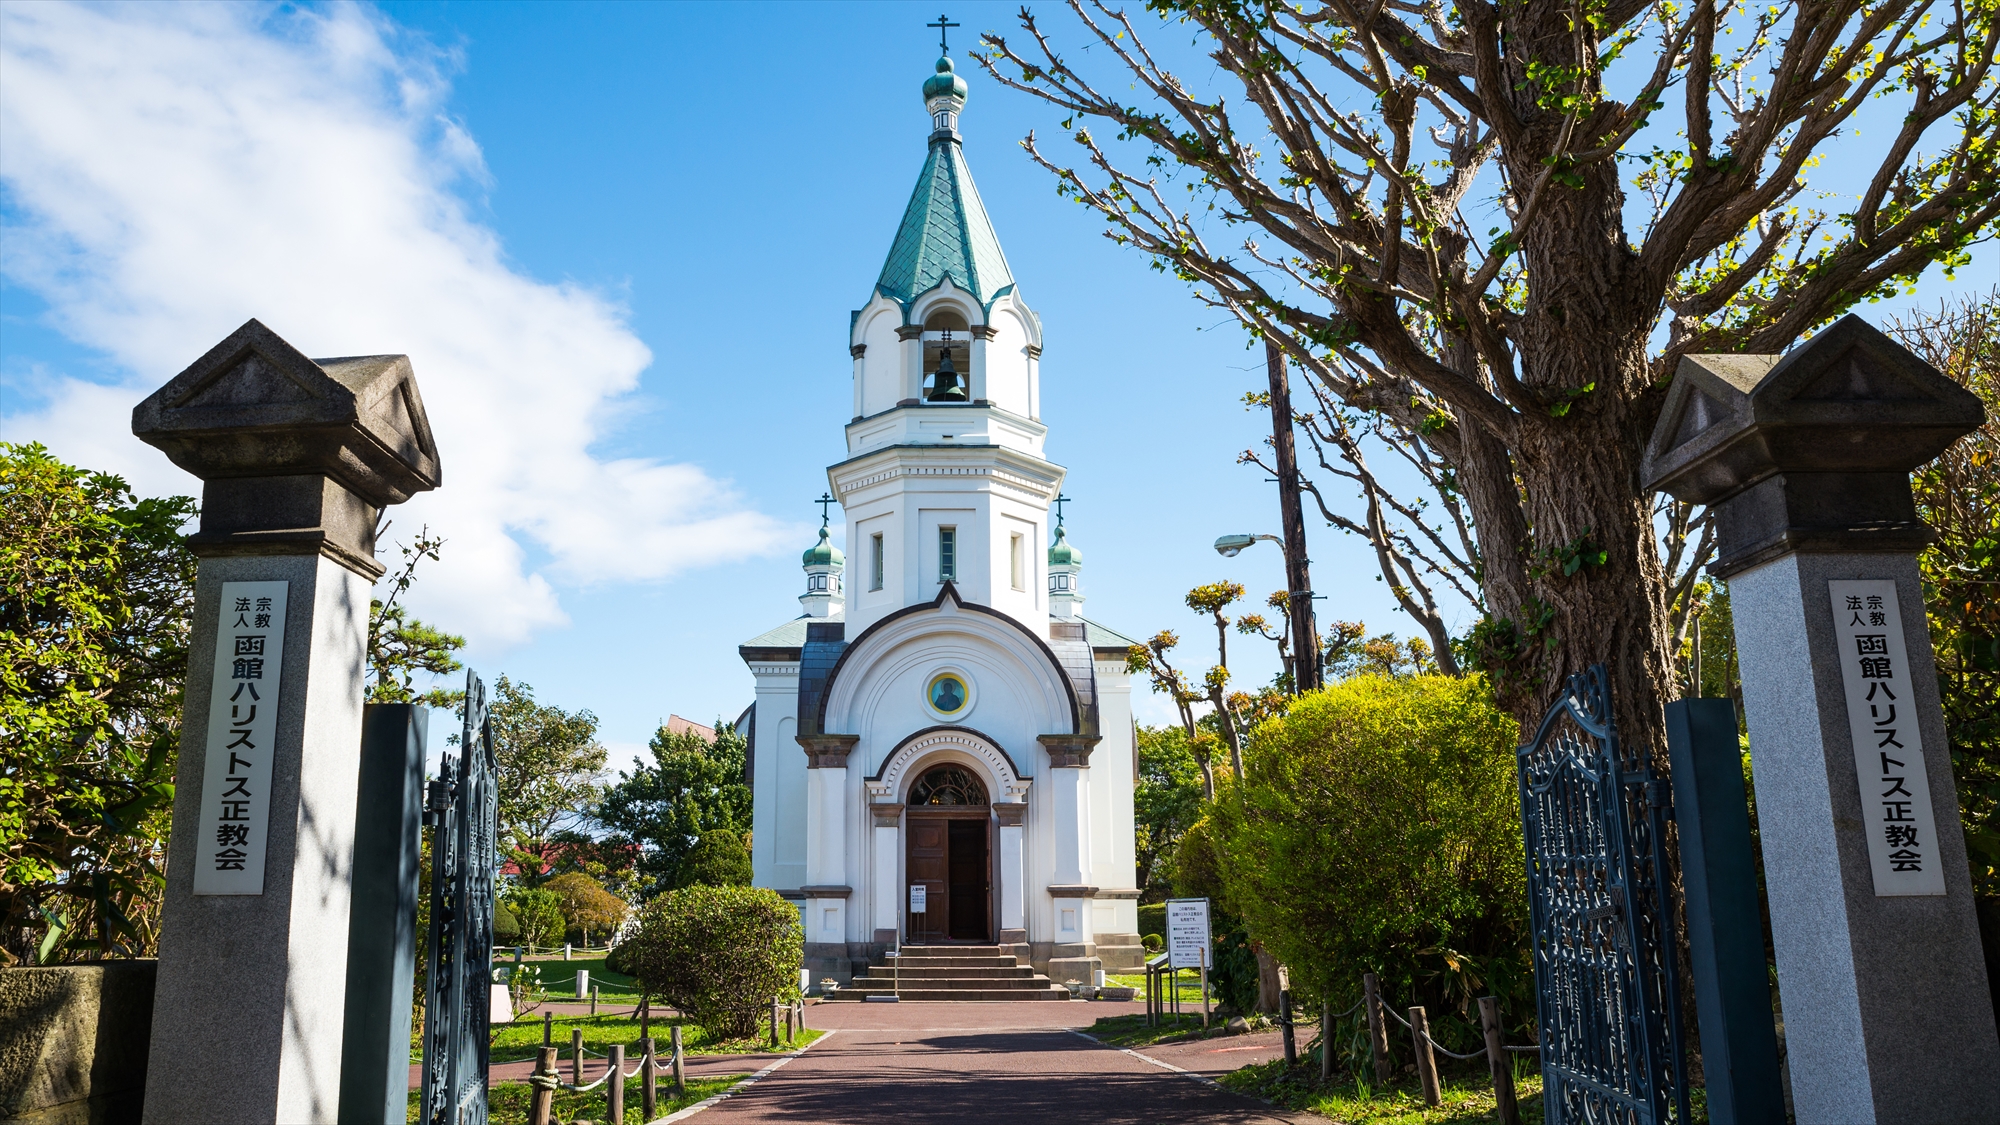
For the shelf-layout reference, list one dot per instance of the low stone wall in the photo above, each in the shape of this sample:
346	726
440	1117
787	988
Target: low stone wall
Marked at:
73	1042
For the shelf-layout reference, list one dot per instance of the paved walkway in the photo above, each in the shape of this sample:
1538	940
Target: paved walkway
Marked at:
967	1064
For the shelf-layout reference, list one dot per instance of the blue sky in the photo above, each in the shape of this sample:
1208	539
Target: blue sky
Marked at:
620	243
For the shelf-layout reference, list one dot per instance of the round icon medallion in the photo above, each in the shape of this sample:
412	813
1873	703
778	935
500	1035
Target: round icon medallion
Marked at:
947	693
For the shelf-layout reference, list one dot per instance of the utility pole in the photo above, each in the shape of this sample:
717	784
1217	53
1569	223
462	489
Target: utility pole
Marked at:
1298	576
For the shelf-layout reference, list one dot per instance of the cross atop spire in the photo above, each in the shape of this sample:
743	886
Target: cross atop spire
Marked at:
944	26
825	498
1060	501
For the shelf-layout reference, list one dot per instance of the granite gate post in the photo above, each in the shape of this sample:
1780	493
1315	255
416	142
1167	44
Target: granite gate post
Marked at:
1805	459
297	457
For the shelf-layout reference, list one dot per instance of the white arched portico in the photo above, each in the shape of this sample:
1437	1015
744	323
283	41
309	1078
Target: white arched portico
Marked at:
888	795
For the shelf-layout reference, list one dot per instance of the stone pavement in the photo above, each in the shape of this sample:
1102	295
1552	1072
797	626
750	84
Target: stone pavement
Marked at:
967	1064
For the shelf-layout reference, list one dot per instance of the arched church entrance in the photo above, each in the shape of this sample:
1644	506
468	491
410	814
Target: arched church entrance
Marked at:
948	835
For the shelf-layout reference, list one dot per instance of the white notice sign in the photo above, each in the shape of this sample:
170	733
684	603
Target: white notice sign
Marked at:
918	893
1888	747
1187	932
242	724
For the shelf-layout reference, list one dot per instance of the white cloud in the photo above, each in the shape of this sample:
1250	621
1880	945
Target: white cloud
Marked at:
173	170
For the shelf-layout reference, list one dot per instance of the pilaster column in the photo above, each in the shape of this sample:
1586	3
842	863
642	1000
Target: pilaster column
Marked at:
826	891
1805	460
1013	886
297	458
1069	782
982	334
910	342
886	888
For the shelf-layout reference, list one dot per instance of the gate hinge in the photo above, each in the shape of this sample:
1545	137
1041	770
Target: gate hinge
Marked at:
1660	794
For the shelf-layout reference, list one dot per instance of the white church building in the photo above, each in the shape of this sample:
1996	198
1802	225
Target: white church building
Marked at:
942	724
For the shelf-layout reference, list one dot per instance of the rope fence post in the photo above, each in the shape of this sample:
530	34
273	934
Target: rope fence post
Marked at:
541	1103
1325	1042
576	1056
593	999
790	1011
1427	1064
646	1016
1378	1030
614	1097
649	1094
1285	1016
1497	1061
548	1029
680	1064
774	1022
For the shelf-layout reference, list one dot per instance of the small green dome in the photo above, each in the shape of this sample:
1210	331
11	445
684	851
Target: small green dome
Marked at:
822	553
1061	553
944	82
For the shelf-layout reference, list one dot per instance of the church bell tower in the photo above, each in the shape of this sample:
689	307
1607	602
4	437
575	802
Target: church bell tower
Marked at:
945	482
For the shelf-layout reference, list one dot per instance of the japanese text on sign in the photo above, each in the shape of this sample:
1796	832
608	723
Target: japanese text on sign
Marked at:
1187	932
242	722
918	893
1888	747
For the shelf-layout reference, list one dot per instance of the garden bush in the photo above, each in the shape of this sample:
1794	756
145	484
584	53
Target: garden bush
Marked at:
1379	830
538	915
718	953
718	859
587	908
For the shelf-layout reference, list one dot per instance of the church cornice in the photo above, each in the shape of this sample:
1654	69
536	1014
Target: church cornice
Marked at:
1024	474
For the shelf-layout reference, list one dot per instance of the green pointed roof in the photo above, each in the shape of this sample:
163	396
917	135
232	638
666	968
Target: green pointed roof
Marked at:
945	233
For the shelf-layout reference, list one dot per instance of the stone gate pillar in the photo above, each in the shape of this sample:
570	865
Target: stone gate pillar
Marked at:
298	457
1805	461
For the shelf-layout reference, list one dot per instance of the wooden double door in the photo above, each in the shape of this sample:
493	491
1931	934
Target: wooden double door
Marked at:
950	854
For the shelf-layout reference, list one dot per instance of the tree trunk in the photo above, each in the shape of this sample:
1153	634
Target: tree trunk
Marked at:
1267	979
1298	575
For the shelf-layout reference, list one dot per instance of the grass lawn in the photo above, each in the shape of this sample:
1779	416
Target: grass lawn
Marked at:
1467	1099
1188	985
1131	1031
507	1103
515	1041
559	978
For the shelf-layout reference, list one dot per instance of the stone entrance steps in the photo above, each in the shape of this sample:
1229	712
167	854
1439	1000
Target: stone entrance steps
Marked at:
963	973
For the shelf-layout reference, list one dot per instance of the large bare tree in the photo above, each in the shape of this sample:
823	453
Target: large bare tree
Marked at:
1347	137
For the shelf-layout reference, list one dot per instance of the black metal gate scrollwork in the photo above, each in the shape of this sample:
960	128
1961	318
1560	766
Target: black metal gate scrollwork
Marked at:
458	995
1608	998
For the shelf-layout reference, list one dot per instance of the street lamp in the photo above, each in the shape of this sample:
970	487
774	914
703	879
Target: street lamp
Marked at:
1229	546
1305	634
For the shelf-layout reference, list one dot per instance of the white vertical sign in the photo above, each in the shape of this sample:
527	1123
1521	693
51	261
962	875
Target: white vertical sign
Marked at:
1888	747
919	893
242	725
1187	932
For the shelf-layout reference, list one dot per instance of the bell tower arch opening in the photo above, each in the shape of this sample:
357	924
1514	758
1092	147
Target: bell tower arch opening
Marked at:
947	356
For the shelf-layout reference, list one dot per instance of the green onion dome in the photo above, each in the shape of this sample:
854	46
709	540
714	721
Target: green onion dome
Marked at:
822	553
944	82
1061	553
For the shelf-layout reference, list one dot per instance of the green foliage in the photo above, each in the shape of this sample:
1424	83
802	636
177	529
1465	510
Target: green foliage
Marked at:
1153	917
538	913
1165	802
1958	495
506	925
1379	831
96	591
586	906
719	953
718	859
549	763
691	788
400	646
1351	652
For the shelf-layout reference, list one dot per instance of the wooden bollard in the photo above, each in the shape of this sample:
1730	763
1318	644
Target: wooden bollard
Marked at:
1285	1017
680	1064
646	1016
1378	1029
774	1021
649	1095
1325	1042
790	1012
576	1056
542	1102
548	1027
1427	1064
1498	1063
614	1093
593	999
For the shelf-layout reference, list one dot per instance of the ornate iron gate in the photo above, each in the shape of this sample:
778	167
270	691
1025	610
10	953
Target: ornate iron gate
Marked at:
458	996
1608	997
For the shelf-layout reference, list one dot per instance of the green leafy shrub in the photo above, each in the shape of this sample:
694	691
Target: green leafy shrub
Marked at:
587	908
718	859
718	953
1379	830
506	925
1153	943
539	915
619	960
1153	915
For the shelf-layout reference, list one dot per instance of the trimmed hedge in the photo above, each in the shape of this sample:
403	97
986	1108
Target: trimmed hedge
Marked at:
720	954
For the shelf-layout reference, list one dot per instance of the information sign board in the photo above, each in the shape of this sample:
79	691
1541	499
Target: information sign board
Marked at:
1187	932
918	894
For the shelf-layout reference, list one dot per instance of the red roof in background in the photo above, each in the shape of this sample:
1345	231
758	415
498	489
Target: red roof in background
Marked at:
553	855
678	725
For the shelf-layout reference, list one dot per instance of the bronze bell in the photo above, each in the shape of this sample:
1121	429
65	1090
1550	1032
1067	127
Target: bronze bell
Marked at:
945	384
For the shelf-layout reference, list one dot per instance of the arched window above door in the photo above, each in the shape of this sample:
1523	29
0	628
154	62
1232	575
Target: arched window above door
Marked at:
947	785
